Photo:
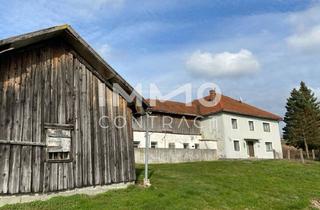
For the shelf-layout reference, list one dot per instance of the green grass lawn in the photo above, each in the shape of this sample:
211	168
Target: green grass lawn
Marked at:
207	185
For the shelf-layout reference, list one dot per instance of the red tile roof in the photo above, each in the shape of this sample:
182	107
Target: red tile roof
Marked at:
226	104
172	107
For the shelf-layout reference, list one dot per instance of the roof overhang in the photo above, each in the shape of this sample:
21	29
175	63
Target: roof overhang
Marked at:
243	114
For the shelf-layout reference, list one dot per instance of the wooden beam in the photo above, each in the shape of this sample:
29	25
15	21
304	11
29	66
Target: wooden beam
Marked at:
60	126
23	143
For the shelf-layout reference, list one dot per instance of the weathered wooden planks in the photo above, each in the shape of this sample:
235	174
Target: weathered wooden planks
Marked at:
48	86
4	168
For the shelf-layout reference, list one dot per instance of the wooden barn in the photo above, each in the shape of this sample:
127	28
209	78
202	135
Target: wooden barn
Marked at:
54	91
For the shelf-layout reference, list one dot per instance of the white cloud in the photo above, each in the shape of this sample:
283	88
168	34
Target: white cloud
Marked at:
308	40
306	18
222	64
306	35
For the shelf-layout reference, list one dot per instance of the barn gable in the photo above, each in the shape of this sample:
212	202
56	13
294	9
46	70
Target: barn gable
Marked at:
59	127
65	32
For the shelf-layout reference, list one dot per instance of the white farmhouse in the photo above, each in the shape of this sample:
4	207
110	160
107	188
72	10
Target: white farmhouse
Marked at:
235	129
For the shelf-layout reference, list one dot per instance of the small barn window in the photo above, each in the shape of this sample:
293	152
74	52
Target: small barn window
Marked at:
185	145
196	146
58	144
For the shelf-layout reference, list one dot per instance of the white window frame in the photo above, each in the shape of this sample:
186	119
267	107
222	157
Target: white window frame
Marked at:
266	129
234	123
268	148
234	145
251	125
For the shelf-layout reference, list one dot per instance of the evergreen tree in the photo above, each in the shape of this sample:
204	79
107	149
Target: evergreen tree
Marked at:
302	119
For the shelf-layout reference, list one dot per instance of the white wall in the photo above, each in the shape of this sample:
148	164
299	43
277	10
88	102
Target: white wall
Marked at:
212	130
217	133
226	135
163	139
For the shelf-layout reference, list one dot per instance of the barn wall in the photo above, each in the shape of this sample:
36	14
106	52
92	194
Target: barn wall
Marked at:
51	84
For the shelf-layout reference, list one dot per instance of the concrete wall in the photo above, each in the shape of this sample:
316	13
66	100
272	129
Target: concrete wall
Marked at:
175	155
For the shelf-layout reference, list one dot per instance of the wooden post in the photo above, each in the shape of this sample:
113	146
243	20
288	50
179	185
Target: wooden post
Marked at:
301	156
146	181
288	154
313	155
274	154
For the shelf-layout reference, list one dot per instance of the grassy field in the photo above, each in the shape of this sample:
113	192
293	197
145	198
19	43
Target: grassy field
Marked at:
207	185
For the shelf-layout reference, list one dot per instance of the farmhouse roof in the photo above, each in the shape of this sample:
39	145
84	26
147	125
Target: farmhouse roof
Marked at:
172	107
226	104
67	33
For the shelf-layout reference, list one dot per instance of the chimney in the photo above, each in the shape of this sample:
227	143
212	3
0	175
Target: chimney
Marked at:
212	94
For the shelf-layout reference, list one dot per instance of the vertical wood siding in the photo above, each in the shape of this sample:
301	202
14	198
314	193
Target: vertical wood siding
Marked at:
51	84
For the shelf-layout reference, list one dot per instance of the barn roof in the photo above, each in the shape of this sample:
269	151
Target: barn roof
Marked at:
226	104
67	33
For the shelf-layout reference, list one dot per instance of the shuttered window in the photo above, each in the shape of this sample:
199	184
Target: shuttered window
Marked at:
58	144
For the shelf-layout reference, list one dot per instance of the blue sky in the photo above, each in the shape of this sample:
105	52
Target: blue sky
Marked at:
256	50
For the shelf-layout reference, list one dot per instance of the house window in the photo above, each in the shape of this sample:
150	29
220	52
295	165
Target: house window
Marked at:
58	144
269	146
154	144
136	144
196	146
185	146
172	146
266	127
234	123
236	145
251	126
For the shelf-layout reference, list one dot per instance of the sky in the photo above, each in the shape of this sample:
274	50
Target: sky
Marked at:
254	50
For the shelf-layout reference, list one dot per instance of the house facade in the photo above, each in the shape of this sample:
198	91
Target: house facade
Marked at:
233	128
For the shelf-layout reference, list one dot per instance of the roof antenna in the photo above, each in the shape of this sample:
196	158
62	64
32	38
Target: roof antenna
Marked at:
240	99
